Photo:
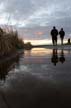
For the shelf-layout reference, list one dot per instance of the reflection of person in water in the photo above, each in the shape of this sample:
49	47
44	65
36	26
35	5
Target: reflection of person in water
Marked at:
54	58
62	58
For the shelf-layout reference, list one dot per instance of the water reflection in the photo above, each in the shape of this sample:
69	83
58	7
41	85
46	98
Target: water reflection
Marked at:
62	58
35	56
38	52
6	66
55	59
39	84
43	56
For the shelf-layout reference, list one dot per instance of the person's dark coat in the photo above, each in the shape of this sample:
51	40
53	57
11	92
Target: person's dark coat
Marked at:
62	34
54	33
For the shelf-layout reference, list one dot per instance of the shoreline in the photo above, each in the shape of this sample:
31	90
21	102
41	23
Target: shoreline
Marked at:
64	47
17	53
11	56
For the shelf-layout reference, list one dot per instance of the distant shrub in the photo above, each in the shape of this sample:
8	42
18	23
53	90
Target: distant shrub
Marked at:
28	45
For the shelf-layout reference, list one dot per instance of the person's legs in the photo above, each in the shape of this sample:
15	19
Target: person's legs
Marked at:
53	40
56	40
61	41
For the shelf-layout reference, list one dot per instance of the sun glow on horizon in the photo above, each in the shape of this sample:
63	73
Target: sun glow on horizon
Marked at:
38	42
39	33
42	42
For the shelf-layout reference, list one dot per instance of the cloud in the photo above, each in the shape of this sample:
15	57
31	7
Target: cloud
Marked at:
36	13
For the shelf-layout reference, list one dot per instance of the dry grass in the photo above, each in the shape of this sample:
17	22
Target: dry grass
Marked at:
9	42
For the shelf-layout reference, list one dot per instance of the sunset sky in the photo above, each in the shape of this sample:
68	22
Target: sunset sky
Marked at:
35	18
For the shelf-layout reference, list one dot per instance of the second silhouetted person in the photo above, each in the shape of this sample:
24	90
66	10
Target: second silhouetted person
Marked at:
62	34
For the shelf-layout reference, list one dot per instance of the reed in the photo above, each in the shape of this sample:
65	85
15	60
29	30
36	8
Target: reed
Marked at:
9	42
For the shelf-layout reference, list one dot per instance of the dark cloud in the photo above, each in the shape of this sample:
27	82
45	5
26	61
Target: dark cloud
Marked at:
36	13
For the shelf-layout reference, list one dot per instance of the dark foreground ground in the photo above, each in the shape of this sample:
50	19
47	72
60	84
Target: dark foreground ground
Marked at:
35	93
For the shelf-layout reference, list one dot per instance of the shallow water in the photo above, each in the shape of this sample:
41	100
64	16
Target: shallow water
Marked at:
39	78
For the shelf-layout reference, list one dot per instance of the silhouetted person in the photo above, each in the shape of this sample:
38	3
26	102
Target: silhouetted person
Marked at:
54	33
54	58
69	41
62	34
62	58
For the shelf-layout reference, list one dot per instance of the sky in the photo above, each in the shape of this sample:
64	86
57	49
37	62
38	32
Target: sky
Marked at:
35	18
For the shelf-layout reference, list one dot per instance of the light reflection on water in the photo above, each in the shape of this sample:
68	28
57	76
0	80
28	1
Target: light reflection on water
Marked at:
38	60
42	55
35	76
